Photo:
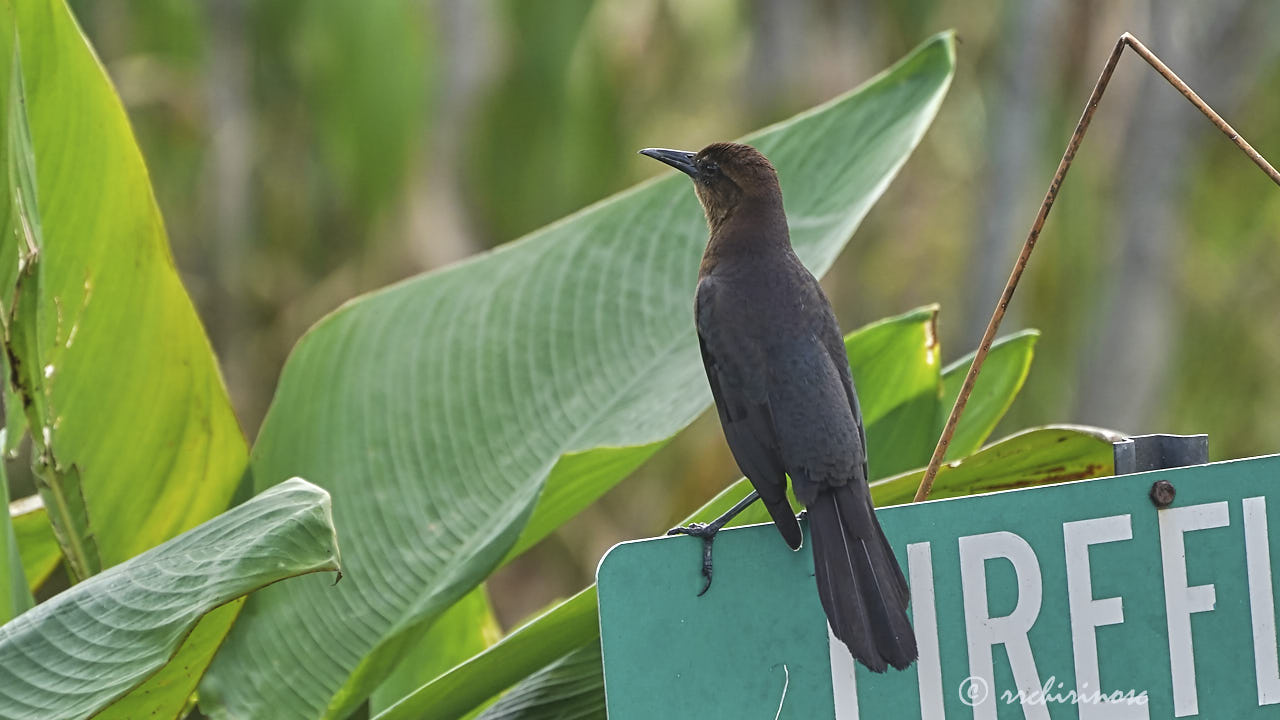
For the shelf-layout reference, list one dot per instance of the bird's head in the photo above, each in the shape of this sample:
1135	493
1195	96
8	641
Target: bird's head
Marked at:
725	177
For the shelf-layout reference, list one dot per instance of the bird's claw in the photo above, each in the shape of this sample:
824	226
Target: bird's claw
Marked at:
701	530
708	535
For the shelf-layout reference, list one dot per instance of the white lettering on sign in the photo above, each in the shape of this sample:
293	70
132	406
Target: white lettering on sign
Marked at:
1181	600
924	616
983	631
1262	600
844	683
1088	613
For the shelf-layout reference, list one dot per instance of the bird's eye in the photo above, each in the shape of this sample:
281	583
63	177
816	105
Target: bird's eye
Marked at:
710	169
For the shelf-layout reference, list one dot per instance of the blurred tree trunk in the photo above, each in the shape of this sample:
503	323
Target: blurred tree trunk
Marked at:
438	231
778	29
228	188
1124	375
1015	104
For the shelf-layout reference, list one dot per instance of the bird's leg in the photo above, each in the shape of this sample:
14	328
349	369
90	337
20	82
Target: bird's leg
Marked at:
707	531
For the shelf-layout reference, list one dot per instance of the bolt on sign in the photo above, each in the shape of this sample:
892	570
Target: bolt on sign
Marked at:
1079	600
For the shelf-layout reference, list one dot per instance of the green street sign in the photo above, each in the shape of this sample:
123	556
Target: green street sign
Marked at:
1079	600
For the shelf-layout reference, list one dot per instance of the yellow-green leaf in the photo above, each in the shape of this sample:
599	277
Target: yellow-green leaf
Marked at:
124	382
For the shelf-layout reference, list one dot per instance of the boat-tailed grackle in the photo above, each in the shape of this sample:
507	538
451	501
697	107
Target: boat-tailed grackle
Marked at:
776	362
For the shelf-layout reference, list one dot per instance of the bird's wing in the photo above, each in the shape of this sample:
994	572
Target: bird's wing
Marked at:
834	343
737	374
815	410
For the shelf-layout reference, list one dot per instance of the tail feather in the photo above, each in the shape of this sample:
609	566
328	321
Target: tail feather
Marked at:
862	589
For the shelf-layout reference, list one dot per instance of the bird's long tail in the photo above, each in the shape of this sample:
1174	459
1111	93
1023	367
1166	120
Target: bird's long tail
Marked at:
859	582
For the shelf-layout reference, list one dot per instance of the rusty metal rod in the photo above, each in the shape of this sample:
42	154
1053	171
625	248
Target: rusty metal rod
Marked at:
940	451
1202	106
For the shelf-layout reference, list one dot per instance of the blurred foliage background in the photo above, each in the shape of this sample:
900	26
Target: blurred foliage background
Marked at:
305	152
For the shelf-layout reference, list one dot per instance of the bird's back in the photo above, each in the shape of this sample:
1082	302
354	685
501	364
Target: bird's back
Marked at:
783	321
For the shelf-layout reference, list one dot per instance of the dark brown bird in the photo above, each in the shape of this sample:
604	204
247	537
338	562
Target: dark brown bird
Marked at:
776	362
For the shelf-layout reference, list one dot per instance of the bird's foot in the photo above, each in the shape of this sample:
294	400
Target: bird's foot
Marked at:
708	535
702	530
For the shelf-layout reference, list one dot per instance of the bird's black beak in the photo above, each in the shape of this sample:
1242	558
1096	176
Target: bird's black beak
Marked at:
678	159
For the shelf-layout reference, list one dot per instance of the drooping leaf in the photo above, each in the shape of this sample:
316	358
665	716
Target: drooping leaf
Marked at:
999	381
437	409
80	651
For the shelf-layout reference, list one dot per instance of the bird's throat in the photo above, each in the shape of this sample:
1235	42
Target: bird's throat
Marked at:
749	233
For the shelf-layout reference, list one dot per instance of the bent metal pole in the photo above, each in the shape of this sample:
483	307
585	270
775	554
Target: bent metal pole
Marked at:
940	451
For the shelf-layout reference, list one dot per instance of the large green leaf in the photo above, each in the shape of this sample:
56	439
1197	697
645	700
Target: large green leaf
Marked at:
1035	457
75	654
436	410
579	479
123	388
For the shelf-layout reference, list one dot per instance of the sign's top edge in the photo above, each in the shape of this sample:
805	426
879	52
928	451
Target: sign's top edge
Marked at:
893	508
